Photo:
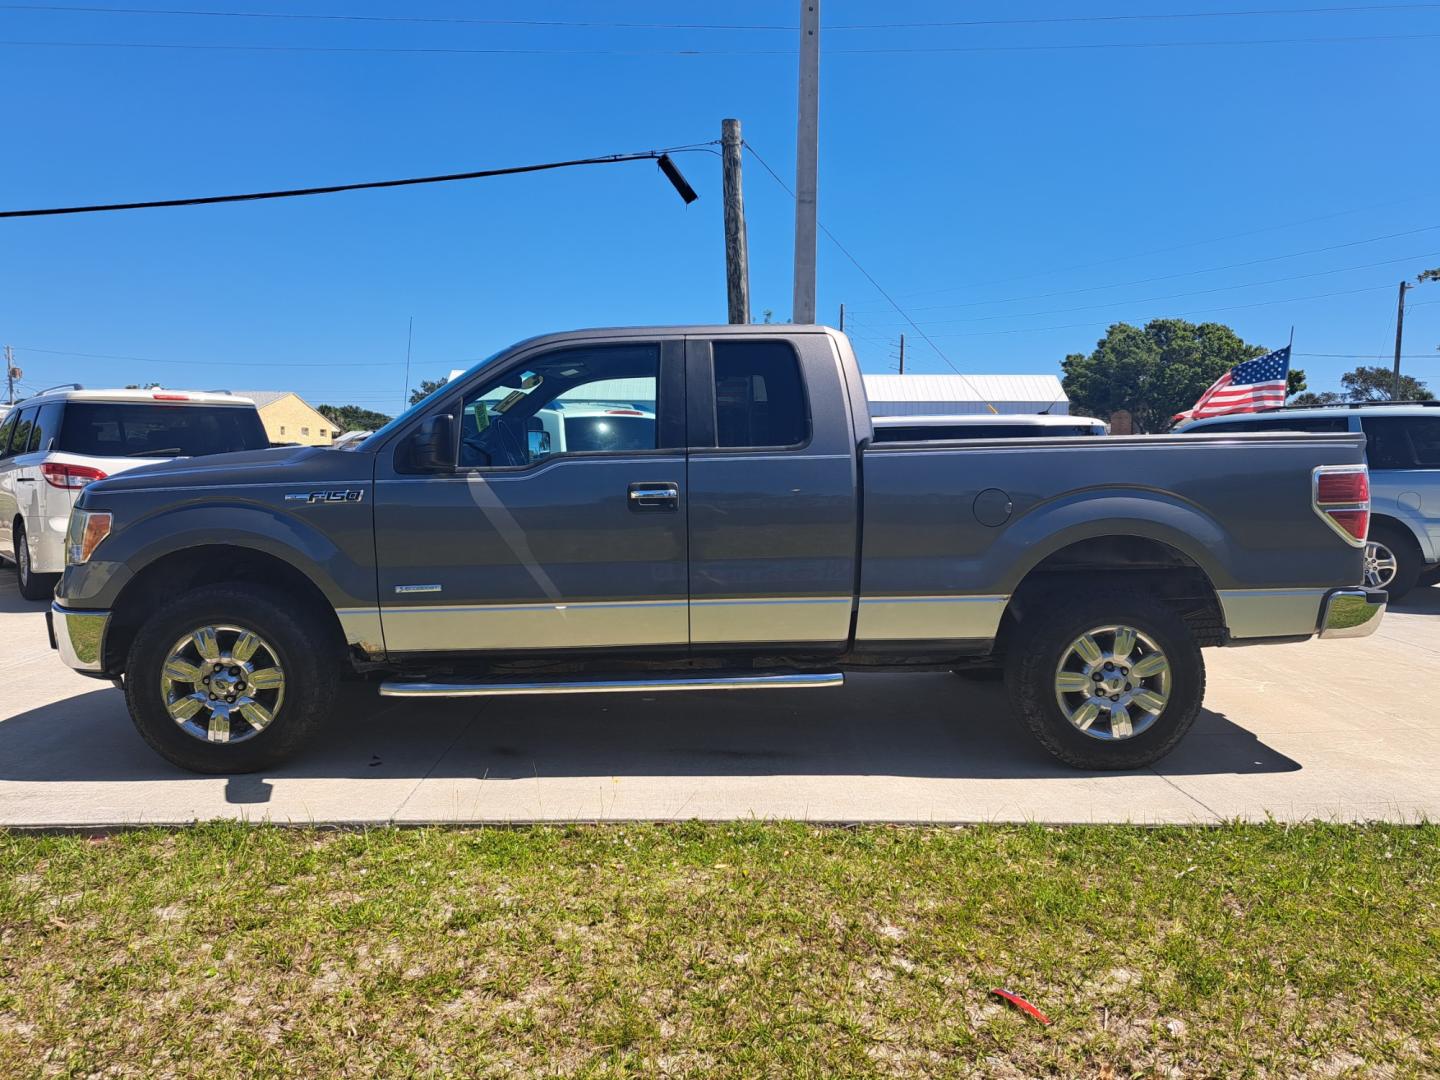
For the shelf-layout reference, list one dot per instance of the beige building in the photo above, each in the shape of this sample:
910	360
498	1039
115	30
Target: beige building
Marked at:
288	418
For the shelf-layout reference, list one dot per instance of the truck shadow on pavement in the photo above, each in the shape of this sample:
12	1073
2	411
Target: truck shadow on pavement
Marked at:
922	725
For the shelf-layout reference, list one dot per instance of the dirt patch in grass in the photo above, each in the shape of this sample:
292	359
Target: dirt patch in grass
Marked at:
722	950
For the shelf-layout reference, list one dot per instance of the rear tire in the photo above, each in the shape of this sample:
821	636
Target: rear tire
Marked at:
175	667
1065	700
33	586
1392	559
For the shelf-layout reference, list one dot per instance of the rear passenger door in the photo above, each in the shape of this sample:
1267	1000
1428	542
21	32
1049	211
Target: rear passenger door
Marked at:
771	477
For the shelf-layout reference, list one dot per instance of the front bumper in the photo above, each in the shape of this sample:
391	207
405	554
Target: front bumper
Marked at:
1352	613
79	636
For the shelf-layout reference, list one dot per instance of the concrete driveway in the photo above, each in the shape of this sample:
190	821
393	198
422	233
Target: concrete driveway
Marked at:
1333	730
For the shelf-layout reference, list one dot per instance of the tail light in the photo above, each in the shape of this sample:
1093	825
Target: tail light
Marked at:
70	477
170	397
1341	495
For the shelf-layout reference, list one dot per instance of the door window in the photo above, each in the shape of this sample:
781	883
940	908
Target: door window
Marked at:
45	428
587	400
20	440
5	429
759	395
1402	442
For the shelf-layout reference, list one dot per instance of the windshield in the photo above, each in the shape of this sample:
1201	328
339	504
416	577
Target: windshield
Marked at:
142	429
379	436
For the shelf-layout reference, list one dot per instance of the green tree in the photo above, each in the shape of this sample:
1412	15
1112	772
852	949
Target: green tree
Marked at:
1154	372
1295	382
427	387
1369	383
353	417
1377	382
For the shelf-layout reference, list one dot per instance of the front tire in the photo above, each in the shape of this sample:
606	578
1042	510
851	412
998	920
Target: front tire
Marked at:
33	586
231	678
1106	679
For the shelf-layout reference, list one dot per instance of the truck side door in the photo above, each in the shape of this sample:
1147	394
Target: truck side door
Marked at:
772	491
538	538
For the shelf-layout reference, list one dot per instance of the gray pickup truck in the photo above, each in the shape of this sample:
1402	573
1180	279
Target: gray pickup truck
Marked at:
718	520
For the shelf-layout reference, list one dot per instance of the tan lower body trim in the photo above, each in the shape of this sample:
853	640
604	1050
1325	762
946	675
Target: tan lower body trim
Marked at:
762	619
1263	613
495	627
929	618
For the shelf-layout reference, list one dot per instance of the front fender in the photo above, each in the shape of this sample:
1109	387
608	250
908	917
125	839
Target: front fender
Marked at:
334	549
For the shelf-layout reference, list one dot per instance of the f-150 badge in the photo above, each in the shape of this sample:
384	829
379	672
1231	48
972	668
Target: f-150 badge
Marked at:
347	495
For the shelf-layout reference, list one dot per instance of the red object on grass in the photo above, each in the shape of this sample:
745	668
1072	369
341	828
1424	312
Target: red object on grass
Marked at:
1021	1004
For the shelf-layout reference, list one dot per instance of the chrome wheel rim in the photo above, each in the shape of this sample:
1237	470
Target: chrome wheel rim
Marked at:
222	684
22	560
1381	565
1112	682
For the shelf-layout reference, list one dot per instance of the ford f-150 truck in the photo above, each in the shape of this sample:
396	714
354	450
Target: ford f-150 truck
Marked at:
753	538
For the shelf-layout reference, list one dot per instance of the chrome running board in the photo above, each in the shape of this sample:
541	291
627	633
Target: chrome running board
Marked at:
399	688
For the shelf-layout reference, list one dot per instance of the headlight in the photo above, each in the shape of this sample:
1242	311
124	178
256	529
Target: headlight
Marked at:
87	529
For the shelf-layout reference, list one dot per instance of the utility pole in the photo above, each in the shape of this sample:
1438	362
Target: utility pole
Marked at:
842	318
10	374
1399	332
902	354
807	152
737	251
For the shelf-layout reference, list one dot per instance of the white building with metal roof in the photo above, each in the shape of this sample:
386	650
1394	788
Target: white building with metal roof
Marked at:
934	395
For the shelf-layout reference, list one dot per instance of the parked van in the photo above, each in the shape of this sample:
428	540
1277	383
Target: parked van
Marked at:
53	444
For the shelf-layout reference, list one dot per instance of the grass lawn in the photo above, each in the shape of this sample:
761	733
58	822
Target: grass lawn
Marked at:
722	950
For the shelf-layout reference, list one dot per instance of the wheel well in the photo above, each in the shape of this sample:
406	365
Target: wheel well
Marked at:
174	574
1164	571
1385	522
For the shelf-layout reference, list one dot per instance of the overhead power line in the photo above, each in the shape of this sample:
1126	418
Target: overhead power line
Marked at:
659	156
1178	314
871	278
878	51
599	24
191	363
1195	292
1171	277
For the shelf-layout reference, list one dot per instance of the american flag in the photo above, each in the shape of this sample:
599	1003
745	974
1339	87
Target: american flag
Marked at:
1248	387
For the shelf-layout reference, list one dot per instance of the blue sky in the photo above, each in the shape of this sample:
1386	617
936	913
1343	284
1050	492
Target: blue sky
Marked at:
1014	198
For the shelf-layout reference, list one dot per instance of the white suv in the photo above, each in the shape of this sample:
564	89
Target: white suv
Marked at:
53	444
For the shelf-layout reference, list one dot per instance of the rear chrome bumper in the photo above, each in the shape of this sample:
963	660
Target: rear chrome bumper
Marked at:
1352	613
79	636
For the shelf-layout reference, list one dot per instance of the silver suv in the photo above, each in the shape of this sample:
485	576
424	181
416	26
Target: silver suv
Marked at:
53	444
1403	450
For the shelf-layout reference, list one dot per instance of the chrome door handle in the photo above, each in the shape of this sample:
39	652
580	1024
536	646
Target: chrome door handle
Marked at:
662	496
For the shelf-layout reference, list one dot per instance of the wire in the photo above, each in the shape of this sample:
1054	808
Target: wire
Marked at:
1364	356
1195	292
576	24
609	25
1149	17
330	189
1171	277
1102	45
248	363
1180	314
871	278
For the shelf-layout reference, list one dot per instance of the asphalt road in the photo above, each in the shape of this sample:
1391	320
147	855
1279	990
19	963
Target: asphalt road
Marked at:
1332	730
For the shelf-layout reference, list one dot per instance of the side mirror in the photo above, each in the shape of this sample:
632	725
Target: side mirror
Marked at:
432	446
